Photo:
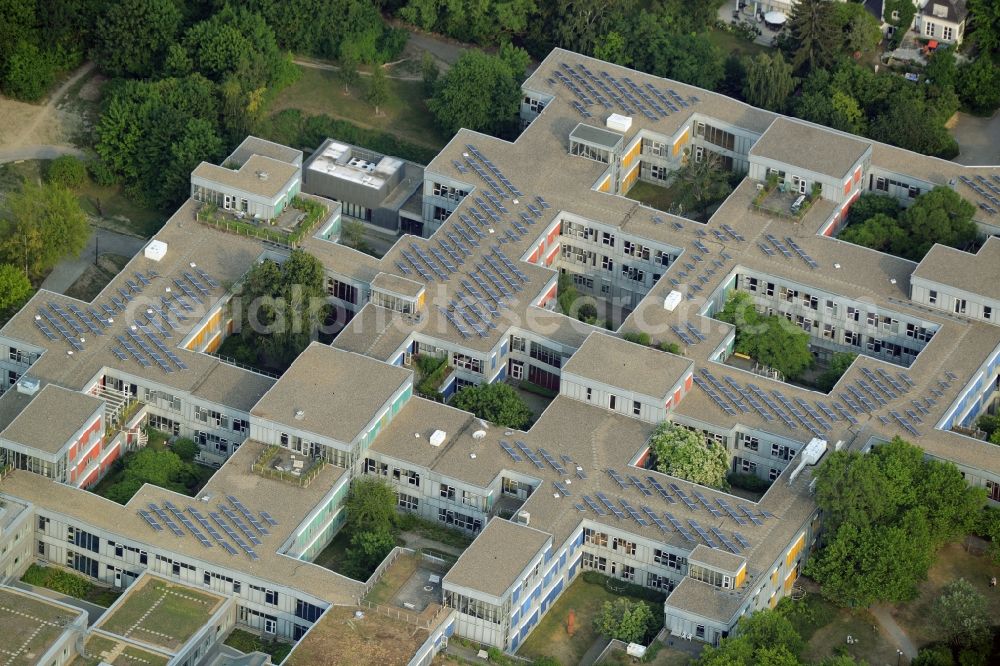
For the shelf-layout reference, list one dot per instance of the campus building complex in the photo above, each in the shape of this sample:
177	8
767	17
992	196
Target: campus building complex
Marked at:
501	222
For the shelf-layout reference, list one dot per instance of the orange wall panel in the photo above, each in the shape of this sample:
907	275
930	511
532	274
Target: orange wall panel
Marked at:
681	141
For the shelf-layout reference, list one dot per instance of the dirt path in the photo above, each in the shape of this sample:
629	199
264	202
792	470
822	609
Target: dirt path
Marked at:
21	137
103	241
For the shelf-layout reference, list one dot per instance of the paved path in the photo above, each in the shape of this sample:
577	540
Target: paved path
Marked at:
94	611
978	139
594	651
894	631
68	271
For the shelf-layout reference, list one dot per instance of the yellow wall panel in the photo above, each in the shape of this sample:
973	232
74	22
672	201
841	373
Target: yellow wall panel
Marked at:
682	140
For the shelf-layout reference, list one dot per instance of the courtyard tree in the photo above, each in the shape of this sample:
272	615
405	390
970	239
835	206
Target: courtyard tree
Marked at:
771	340
497	402
48	226
688	455
885	514
961	614
368	549
370	506
703	183
625	620
769	82
282	307
838	365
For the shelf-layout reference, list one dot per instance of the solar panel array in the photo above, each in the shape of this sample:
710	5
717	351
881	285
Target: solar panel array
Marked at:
988	190
245	535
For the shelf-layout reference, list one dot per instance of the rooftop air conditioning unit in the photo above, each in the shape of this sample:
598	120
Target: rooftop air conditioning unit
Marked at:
523	517
672	300
28	385
619	123
155	250
437	437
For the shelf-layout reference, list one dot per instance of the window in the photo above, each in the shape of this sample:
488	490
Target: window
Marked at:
590	393
593	562
747	466
782	452
623	546
929	29
659	582
607	263
669	560
987	312
895	14
773	474
546	355
43	523
657	172
517	344
749	443
751	284
829	332
932	296
41	548
595	538
852	338
959	306
608	239
636	407
628	572
467	362
947	33
447	492
342	290
307	611
612	402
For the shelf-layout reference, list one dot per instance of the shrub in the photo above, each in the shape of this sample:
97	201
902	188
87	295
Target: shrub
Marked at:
101	173
185	448
67	171
747	481
638	338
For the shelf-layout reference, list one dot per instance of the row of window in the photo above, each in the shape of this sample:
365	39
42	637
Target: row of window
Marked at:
448	192
960	305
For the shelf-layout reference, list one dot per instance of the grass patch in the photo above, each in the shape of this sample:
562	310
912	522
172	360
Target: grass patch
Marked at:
551	639
246	642
728	43
410	522
393	579
117	211
334	556
656	196
161	614
952	562
70	584
404	114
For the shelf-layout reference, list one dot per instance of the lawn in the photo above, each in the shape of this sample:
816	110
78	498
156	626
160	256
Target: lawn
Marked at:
657	196
404	114
730	43
550	637
70	584
100	648
246	642
342	638
161	614
952	562
335	554
824	627
385	590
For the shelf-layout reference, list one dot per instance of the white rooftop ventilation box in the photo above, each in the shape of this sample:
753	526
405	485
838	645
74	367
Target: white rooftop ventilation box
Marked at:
437	437
156	250
619	123
672	300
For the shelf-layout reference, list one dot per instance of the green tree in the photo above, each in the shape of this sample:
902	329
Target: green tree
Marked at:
496	402
765	637
771	340
814	28
282	307
769	82
348	72
368	549
27	72
690	58
838	365
870	204
988	423
132	36
885	513
624	620
860	31
48	225
942	68
936	656
66	171
984	28
370	506
979	85
961	614
703	183
612	47
480	92
430	72
378	88
988	527
688	455
879	232
352	233
939	216
186	449
15	289
149	465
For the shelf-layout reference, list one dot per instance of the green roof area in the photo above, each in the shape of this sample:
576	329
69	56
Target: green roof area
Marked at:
160	613
103	650
30	627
